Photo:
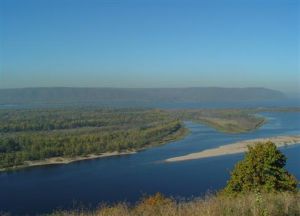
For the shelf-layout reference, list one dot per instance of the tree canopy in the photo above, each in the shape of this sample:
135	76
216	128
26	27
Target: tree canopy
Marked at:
28	135
261	170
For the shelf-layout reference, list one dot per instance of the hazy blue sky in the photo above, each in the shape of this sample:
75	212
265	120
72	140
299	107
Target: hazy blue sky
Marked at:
150	43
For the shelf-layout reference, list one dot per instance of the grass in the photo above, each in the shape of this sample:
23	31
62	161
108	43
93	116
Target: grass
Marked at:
253	204
223	120
233	125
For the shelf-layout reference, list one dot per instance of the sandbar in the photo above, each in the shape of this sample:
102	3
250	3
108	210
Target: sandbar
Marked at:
238	147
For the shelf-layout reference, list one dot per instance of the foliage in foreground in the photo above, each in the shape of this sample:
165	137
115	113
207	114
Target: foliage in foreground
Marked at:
252	204
261	170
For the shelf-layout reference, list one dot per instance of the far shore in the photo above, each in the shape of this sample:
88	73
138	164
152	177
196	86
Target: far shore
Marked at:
238	147
65	160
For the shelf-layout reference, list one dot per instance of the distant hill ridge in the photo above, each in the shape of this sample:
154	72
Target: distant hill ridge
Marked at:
80	95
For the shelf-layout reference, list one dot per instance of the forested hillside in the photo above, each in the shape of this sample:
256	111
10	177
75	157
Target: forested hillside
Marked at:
137	95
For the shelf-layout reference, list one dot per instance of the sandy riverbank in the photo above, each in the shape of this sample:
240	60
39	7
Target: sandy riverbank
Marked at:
63	160
237	147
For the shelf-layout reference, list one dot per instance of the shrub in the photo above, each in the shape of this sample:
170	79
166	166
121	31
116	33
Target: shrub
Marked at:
262	170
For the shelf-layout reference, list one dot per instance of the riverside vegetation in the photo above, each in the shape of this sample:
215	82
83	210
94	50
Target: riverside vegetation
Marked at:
30	135
259	186
224	120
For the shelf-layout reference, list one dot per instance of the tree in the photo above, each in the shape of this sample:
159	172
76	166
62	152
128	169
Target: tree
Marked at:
261	170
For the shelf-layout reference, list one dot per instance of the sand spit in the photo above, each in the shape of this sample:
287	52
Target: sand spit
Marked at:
63	160
237	147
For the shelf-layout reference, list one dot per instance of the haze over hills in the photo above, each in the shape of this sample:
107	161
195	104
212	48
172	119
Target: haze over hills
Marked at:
82	95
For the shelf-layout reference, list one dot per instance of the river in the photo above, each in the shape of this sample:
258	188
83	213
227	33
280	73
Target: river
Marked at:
127	178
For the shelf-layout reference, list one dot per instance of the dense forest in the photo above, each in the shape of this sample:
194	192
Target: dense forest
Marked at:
37	134
70	118
28	135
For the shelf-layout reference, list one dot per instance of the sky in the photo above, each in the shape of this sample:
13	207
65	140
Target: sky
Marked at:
150	43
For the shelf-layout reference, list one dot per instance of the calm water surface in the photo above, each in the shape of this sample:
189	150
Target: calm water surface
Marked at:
126	178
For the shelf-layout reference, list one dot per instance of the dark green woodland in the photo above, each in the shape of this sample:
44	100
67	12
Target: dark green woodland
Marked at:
38	134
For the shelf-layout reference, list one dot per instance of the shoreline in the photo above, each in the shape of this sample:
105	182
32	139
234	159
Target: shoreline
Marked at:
236	148
178	135
65	160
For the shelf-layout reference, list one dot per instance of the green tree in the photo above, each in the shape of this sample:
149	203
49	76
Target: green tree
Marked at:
261	170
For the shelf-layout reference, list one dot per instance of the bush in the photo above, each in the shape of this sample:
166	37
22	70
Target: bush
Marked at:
262	170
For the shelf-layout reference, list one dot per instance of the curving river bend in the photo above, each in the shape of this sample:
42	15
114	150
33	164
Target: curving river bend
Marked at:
127	178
